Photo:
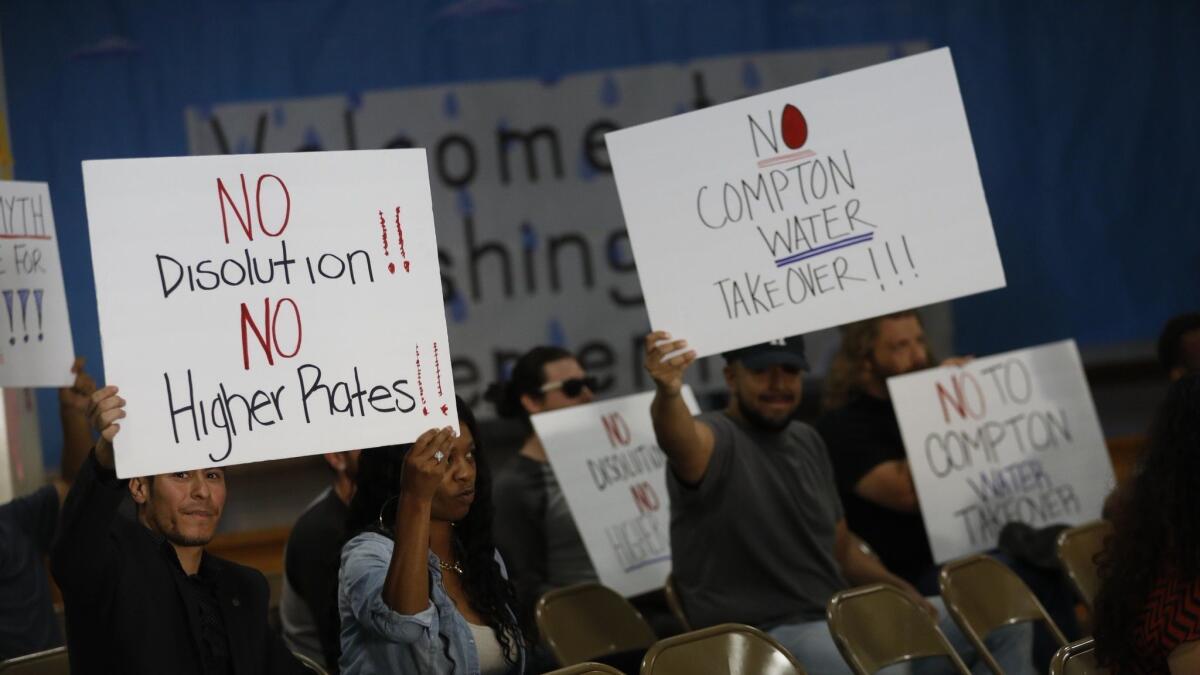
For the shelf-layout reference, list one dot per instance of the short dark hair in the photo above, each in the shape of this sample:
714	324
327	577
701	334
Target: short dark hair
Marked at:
527	377
1170	351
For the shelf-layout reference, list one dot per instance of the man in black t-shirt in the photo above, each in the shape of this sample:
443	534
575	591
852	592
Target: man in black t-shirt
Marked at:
863	437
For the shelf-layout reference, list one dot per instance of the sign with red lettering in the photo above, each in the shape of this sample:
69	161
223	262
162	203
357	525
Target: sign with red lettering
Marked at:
257	307
36	349
1011	437
613	475
808	207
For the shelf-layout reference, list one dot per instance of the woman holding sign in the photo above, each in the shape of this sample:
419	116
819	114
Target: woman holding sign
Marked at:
1148	607
421	588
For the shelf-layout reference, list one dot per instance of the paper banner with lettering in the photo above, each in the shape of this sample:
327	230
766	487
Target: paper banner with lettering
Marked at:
257	307
1010	437
807	207
36	349
613	475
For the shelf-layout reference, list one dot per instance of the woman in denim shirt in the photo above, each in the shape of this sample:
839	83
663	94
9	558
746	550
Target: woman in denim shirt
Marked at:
421	588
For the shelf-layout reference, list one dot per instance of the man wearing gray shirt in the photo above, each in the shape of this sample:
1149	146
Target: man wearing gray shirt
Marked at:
760	484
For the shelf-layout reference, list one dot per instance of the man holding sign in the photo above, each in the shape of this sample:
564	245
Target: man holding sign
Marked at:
144	596
762	483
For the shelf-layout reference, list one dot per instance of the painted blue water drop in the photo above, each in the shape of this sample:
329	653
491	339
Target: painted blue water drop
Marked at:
586	170
555	334
279	116
610	93
353	100
465	205
458	308
529	236
750	77
450	105
242	147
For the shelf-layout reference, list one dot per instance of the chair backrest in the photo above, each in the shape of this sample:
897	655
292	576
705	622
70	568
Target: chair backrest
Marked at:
587	668
586	621
1077	658
675	603
50	662
1077	549
310	664
878	625
983	595
727	649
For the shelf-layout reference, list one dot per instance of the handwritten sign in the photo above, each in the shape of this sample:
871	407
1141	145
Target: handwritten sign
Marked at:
807	207
257	307
35	330
1011	437
613	475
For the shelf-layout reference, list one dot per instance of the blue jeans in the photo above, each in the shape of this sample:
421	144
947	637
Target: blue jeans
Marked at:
812	645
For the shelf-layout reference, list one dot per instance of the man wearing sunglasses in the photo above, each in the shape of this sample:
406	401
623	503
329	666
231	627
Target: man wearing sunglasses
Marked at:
761	484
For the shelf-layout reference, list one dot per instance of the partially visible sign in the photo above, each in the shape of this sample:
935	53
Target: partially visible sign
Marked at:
1011	437
36	349
613	475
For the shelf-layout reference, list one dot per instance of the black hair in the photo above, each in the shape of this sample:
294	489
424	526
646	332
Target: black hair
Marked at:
1155	529
490	594
527	377
1170	351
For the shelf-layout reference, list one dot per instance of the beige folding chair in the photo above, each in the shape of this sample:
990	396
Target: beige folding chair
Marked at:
727	649
586	669
1077	549
1077	658
675	603
310	664
586	621
983	595
50	662
878	625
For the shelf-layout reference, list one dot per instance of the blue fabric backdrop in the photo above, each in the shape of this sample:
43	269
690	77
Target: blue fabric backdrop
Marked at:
1083	114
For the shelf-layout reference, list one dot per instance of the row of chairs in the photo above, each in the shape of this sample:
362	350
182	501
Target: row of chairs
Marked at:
873	626
589	621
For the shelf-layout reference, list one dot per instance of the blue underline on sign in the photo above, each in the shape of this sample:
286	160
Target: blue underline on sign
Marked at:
813	252
645	563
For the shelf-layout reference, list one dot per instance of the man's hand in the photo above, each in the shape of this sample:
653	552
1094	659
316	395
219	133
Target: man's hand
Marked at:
105	409
958	361
77	397
426	463
668	374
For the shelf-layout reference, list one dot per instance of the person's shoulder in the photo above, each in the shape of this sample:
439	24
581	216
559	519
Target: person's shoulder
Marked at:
519	472
322	521
806	435
242	576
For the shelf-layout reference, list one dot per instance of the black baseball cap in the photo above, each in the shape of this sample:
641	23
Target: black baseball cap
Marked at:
785	352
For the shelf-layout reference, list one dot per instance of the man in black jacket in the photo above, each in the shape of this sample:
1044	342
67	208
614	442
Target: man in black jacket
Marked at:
143	596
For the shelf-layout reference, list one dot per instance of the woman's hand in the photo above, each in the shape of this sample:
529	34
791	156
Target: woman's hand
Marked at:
426	464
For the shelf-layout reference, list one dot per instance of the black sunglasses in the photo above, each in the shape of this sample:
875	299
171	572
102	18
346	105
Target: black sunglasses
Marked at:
572	387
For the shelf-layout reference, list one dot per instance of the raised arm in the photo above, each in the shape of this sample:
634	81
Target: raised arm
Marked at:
406	588
73	404
83	556
687	442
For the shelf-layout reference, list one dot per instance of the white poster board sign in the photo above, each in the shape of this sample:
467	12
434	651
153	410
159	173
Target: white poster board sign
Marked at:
1010	437
807	207
613	475
35	331
257	307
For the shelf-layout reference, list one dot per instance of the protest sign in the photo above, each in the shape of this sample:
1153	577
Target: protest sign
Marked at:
528	221
258	307
1010	437
36	349
613	475
807	207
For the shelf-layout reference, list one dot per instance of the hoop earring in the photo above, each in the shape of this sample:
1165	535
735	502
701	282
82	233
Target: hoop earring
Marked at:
383	508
